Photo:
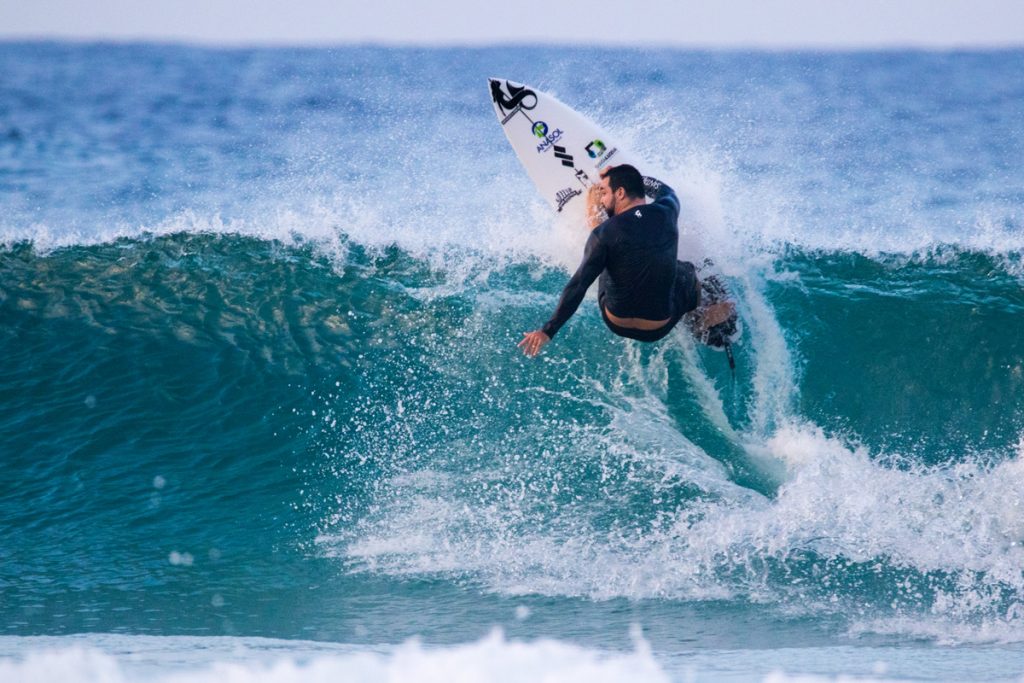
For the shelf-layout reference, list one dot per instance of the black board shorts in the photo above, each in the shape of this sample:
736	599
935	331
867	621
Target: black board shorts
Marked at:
685	298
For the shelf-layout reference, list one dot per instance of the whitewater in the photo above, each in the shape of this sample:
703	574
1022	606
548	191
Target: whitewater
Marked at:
263	416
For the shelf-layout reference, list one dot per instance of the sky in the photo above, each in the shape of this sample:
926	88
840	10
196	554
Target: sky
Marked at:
772	24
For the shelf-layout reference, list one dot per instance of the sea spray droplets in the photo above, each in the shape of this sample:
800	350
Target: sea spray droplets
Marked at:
179	559
845	535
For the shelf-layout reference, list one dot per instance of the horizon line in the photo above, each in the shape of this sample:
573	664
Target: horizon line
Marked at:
737	46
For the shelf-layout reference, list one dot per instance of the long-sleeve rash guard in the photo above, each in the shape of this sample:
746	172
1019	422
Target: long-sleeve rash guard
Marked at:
634	253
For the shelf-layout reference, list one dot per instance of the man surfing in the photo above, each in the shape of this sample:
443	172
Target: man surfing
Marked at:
643	291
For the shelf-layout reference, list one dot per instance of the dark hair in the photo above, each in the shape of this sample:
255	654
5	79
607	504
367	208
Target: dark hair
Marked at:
626	177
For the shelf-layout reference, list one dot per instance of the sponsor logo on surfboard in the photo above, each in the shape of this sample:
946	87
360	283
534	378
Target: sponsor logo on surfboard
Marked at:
582	176
595	149
607	157
513	98
540	129
566	158
563	196
549	139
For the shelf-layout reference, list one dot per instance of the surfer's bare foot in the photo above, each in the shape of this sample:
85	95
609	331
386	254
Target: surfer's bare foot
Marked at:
716	314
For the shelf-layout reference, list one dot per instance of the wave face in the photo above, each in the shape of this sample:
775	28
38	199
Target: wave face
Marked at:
259	377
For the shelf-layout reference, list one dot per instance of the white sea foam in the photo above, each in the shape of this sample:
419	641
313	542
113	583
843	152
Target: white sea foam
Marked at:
315	224
108	658
493	658
962	525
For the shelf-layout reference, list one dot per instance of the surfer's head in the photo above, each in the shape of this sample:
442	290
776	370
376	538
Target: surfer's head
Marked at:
620	186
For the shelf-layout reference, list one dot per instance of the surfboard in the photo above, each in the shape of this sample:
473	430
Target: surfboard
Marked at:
561	150
564	152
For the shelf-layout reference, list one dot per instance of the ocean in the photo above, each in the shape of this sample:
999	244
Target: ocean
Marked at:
263	417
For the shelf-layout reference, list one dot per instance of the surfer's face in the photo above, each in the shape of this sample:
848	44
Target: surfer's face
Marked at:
608	199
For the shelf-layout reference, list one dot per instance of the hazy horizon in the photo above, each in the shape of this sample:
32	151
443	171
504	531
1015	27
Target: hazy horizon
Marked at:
732	24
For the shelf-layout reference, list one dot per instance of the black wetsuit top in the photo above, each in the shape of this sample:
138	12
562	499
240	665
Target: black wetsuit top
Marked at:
634	253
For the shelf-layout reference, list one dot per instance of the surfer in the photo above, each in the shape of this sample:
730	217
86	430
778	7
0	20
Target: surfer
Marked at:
643	291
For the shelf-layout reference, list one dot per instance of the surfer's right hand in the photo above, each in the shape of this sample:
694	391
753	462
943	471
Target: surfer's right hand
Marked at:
533	342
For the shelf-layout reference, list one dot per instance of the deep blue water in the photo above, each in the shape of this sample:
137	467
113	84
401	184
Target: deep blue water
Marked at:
258	374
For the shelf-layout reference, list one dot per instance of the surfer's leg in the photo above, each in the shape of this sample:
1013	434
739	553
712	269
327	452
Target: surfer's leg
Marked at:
686	295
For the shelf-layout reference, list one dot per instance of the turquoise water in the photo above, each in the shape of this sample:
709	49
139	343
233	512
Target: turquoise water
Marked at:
262	400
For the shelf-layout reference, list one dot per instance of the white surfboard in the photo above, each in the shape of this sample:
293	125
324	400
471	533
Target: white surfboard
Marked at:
563	152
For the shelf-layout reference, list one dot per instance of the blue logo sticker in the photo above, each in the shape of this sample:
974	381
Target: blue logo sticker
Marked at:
548	138
595	149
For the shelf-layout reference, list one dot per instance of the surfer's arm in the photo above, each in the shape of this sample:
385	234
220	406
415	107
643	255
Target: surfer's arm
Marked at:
594	257
661	193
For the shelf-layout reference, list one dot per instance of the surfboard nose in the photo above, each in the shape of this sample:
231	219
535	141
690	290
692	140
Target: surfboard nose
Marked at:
494	86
